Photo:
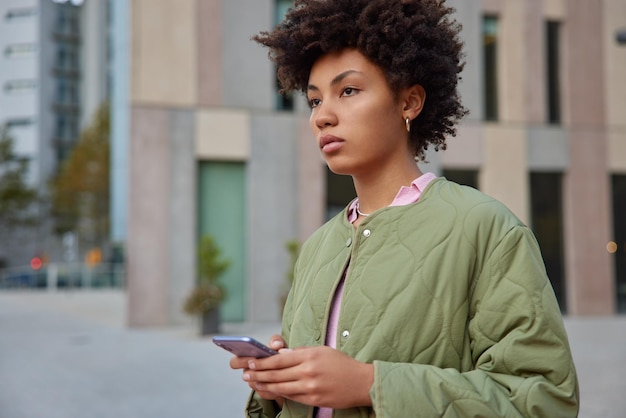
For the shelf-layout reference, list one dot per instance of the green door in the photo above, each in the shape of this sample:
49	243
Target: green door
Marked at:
221	212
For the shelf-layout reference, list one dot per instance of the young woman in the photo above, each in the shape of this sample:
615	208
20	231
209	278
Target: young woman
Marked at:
422	298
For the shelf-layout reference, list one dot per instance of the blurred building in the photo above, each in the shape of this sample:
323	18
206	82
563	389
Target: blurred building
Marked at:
214	148
54	73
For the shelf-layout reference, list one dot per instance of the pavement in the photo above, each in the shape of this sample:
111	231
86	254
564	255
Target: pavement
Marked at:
69	354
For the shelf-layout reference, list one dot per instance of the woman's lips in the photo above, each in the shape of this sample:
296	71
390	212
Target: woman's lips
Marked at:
329	143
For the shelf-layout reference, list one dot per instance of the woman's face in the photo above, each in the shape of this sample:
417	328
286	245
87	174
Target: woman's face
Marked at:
358	124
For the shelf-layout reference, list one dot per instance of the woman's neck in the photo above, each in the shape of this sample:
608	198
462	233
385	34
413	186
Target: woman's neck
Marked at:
377	190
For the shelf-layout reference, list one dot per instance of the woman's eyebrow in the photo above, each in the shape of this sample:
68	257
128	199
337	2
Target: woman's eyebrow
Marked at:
335	80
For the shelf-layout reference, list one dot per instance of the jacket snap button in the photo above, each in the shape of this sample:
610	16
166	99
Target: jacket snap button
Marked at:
367	233
345	334
348	242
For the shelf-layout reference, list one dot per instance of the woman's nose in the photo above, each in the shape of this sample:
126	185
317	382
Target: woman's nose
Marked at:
324	116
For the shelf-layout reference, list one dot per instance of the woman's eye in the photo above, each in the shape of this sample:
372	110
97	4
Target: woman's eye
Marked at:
349	91
314	102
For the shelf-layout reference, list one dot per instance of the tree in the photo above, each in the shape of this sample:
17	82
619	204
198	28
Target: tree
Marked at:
17	199
80	190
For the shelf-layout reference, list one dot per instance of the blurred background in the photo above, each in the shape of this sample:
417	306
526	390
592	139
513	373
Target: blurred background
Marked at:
131	129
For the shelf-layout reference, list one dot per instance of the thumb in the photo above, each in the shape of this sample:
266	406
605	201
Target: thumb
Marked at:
277	342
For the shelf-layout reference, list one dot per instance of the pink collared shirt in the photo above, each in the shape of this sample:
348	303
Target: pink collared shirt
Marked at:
406	195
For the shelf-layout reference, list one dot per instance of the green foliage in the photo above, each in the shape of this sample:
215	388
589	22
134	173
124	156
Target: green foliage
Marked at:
80	190
16	197
203	298
211	266
209	292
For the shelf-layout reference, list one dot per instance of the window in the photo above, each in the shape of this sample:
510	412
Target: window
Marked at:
339	192
463	177
15	14
60	129
618	246
20	86
547	224
72	2
61	57
61	90
67	20
19	123
67	56
490	50
553	91
20	50
284	101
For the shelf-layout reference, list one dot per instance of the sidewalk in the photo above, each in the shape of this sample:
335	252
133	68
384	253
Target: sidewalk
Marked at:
70	355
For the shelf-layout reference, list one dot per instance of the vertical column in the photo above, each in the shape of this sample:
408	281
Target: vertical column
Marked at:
163	96
182	213
311	170
505	171
210	75
148	223
586	184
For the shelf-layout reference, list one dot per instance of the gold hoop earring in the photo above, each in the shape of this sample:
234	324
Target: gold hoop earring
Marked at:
407	121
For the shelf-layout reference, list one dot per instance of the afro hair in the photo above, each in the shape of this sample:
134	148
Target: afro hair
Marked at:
412	41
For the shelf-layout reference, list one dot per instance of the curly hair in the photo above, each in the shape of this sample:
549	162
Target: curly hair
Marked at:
412	41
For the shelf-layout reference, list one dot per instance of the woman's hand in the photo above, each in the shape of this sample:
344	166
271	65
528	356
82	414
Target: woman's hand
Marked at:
319	376
277	343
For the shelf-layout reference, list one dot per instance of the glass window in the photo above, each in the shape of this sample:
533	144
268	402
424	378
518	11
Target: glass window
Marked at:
339	192
61	90
618	246
464	177
553	91
490	61
20	86
61	57
20	50
19	123
547	224
24	12
60	129
62	20
284	101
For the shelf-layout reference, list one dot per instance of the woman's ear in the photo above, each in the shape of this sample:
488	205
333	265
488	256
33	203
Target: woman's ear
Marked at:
413	100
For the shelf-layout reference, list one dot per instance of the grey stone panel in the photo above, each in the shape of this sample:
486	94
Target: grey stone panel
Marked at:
148	224
548	149
469	14
247	72
272	210
182	212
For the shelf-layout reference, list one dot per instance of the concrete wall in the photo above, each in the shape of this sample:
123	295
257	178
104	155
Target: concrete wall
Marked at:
586	188
272	210
614	16
202	90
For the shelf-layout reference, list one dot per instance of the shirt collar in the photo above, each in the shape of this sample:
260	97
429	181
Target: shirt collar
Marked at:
405	196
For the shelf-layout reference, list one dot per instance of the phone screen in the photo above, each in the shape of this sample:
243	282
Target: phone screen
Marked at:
243	346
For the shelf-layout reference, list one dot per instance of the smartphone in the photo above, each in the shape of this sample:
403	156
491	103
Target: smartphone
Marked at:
243	346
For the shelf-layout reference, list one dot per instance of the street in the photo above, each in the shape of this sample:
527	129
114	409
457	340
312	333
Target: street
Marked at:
70	355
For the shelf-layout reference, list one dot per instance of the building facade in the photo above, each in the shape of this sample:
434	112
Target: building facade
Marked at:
54	74
214	149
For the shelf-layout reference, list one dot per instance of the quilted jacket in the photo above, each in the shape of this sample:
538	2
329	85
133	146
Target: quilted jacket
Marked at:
448	298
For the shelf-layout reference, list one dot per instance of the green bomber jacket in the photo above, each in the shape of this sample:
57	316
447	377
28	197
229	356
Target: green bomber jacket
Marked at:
448	298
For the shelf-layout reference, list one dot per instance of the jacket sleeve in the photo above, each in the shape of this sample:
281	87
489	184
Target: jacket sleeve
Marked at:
522	361
260	408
